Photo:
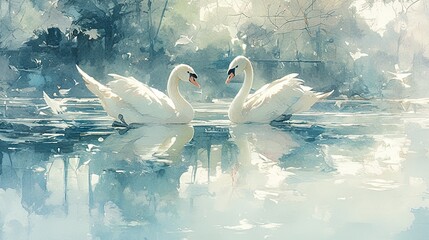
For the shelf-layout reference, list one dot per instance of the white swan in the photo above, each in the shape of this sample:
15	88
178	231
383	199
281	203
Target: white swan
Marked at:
275	101
129	99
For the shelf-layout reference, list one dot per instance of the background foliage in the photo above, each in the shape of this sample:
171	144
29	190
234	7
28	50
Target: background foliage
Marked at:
360	48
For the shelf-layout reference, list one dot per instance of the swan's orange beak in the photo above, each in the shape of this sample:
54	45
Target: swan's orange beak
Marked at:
194	82
230	76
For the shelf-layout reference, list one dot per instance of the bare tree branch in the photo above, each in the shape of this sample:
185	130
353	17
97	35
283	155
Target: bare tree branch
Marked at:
310	6
160	20
238	14
409	6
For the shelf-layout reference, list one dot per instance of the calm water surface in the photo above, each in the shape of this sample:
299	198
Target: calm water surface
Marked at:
344	170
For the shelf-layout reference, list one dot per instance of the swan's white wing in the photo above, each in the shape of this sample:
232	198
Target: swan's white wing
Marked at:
263	90
146	100
283	96
111	102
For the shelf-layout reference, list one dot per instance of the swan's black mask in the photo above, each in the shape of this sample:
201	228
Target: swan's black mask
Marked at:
231	75
193	79
193	75
232	70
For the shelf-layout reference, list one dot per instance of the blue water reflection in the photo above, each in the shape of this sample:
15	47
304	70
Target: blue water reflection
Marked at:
327	174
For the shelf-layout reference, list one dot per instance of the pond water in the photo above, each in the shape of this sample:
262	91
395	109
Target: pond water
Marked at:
344	170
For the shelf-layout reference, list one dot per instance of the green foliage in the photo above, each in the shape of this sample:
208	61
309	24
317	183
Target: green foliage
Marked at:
147	37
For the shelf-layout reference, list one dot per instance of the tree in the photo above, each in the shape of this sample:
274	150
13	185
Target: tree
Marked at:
19	19
105	17
154	28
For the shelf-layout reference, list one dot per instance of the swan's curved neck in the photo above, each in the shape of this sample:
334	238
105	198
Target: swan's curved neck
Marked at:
236	107
183	107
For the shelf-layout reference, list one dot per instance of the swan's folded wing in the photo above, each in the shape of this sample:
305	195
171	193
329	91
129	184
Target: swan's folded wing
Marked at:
144	99
269	90
274	83
275	98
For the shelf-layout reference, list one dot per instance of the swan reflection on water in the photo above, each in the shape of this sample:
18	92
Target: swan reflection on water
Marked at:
244	154
184	181
149	142
159	160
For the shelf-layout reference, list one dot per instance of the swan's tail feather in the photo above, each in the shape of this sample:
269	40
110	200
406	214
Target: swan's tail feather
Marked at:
304	103
308	99
93	85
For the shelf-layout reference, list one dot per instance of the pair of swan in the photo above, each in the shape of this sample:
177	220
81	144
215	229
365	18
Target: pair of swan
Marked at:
125	98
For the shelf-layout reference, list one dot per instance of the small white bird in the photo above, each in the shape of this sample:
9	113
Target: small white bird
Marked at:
54	105
339	103
358	54
64	92
183	40
400	76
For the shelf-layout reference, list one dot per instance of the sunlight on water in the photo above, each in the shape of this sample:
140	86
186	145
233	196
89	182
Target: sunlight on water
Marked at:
340	171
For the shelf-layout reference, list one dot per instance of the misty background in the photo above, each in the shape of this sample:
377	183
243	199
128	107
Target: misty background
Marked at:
362	49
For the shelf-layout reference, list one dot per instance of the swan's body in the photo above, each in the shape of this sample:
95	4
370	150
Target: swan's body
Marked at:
139	103
275	101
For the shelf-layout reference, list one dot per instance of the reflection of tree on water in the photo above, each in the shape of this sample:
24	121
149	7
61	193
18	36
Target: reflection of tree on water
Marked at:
236	146
22	175
205	138
8	174
229	155
143	168
143	163
28	176
29	156
144	189
139	172
133	179
34	191
136	191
